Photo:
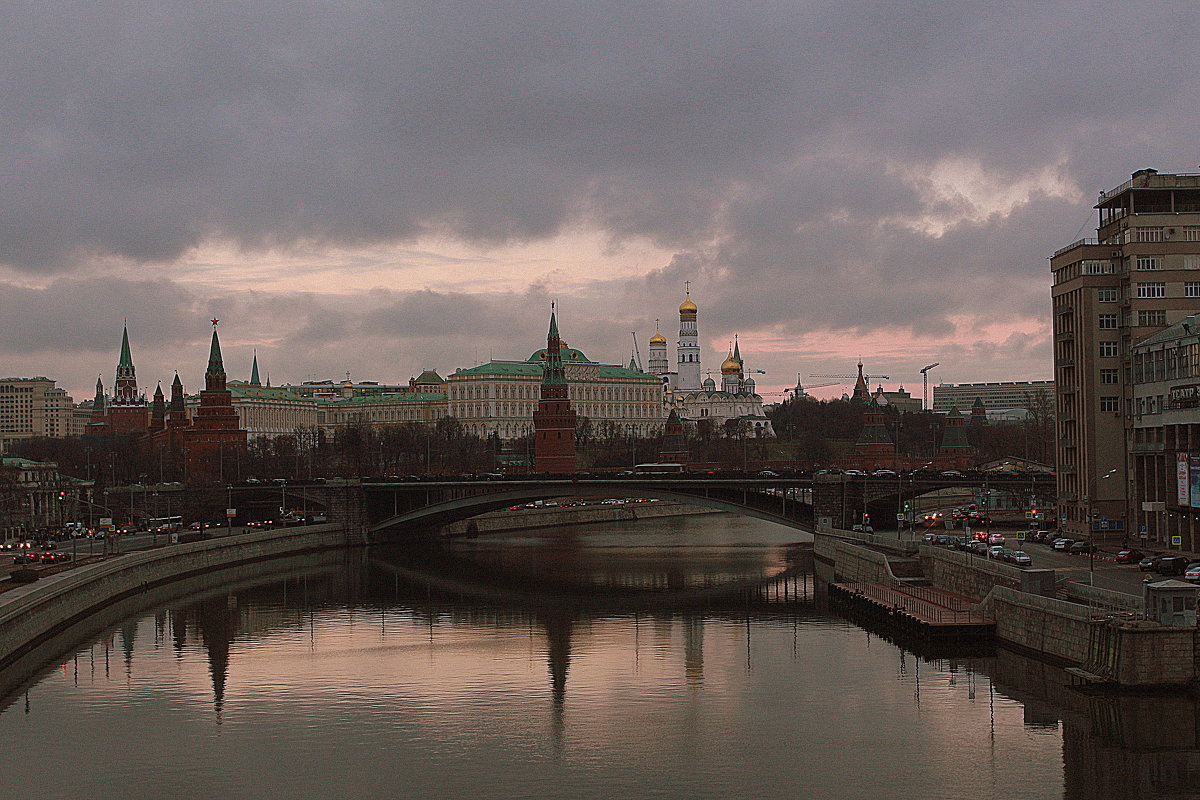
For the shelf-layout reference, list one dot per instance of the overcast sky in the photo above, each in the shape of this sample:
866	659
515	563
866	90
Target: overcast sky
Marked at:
379	187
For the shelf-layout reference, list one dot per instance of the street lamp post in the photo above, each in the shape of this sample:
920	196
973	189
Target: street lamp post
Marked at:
1091	523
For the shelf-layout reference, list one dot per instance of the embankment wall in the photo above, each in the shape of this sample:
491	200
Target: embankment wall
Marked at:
36	611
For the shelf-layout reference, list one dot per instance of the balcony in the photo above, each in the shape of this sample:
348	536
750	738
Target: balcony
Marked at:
1064	362
1147	447
1065	336
1073	245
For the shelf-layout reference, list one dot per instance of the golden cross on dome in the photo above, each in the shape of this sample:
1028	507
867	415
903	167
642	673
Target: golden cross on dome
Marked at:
687	287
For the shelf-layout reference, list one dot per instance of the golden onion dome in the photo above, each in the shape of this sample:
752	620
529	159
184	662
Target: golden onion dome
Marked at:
730	366
658	338
687	306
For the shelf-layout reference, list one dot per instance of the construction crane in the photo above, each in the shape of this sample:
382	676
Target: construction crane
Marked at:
925	383
636	352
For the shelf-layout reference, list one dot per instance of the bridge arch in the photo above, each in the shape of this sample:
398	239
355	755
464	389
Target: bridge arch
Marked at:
791	513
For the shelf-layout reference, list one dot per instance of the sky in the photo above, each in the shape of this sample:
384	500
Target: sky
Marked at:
377	188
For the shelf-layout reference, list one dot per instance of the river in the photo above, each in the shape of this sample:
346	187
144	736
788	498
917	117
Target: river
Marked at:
685	657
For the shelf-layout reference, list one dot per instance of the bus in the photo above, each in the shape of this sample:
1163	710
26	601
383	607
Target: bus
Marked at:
660	469
164	524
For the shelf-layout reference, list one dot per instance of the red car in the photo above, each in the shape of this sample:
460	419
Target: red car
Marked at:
1129	556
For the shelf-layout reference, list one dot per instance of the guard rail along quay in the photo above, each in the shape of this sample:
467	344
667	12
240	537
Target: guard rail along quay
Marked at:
34	612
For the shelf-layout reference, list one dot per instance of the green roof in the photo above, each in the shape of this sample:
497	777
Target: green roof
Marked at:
430	376
25	462
240	389
533	369
569	354
427	397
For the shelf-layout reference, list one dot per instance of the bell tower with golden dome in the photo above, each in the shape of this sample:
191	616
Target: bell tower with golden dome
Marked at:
658	363
689	346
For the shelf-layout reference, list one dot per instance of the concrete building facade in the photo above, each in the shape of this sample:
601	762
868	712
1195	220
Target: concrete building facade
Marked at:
1139	275
35	407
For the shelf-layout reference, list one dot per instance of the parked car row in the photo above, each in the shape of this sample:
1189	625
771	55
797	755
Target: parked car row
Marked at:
982	547
1170	565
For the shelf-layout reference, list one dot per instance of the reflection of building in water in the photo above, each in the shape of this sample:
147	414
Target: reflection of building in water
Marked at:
1116	747
557	625
693	650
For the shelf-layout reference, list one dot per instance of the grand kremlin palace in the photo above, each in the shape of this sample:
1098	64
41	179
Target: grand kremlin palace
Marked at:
500	396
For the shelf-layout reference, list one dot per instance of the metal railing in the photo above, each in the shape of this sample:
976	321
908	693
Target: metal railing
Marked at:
922	610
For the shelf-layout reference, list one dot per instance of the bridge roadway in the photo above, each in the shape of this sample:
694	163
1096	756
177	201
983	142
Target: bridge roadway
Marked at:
796	502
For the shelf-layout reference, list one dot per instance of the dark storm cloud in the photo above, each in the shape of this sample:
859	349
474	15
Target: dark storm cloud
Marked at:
780	150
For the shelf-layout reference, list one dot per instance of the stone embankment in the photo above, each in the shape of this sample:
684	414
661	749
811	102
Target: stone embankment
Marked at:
1100	635
34	612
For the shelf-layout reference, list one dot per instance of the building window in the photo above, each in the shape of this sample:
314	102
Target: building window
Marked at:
1150	291
1108	349
1191	289
1106	295
1108	322
1111	405
1191	262
1158	317
1191	233
1108	376
1147	234
1098	267
1149	262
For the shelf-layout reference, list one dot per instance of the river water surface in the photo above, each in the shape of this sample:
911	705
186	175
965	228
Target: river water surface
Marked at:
687	657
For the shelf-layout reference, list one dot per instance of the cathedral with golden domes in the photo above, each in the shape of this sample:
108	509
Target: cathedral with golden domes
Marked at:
697	399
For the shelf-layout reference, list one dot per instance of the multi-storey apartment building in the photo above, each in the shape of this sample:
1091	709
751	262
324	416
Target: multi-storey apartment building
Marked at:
31	407
1140	274
995	395
1164	447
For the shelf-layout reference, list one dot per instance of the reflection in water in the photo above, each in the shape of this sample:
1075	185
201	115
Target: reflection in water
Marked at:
587	663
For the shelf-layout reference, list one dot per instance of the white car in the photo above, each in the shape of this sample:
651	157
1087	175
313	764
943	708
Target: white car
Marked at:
995	550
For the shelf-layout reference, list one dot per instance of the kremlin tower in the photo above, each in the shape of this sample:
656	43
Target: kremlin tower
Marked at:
215	437
689	348
554	421
127	413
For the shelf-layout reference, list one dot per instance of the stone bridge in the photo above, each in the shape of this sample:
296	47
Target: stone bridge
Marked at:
388	507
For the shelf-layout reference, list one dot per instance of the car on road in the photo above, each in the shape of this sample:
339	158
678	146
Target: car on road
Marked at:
978	548
996	538
766	473
1192	573
1171	565
1081	547
1129	556
1022	559
1063	543
1147	564
1007	554
994	551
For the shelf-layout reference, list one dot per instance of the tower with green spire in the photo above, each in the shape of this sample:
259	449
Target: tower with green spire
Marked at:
554	420
215	437
128	413
254	381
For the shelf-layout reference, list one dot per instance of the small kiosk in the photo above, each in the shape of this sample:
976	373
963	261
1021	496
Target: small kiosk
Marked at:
1171	603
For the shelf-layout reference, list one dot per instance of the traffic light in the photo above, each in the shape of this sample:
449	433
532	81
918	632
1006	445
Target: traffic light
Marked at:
62	496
